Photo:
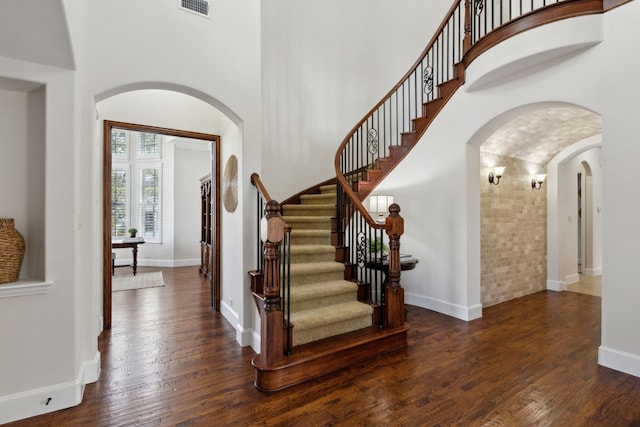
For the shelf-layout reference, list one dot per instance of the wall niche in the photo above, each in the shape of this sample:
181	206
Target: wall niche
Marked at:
22	175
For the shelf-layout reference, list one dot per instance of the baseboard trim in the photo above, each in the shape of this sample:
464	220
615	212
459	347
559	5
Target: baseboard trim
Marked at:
556	285
244	337
591	272
40	401
619	360
454	310
571	279
99	325
169	263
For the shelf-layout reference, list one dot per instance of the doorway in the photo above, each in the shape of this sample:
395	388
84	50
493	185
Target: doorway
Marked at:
585	220
108	127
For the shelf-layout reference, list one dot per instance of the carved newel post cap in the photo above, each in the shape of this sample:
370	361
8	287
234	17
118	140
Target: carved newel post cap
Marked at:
394	209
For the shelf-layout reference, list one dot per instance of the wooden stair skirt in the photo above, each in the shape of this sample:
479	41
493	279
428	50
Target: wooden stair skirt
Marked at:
322	357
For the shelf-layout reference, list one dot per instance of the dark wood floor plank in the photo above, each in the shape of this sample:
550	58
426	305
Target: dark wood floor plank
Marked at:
170	361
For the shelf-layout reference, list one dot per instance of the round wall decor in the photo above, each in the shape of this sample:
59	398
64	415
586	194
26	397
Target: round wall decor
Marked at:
230	184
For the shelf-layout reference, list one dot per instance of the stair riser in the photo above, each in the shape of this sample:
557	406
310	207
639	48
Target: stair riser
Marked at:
302	336
310	225
311	240
328	189
319	302
308	210
320	199
307	279
306	258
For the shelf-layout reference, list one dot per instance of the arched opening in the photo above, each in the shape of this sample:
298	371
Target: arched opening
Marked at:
523	232
183	119
585	218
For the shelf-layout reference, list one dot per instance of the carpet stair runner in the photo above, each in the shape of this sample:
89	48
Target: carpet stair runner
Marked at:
323	303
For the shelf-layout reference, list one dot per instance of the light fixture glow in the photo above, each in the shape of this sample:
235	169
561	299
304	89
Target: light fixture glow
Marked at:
380	204
496	174
536	181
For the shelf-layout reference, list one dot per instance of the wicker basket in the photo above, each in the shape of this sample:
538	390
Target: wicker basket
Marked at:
11	251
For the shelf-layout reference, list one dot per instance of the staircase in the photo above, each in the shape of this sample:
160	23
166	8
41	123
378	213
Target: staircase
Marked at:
322	302
329	328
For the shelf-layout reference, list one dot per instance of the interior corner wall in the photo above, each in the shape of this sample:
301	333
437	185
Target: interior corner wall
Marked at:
189	166
513	218
63	373
438	229
326	63
620	347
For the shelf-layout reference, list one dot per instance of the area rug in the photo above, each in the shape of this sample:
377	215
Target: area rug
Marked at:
139	281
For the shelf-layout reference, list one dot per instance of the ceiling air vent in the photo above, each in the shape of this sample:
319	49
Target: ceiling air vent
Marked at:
200	7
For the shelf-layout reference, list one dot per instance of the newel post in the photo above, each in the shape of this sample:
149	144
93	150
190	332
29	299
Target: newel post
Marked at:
394	225
271	328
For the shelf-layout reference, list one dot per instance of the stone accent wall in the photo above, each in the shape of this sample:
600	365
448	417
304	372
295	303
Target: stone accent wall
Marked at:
513	231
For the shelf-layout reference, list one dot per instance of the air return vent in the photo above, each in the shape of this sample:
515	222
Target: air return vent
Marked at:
200	7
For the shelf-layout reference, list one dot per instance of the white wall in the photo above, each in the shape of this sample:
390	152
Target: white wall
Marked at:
442	226
190	166
568	200
216	60
620	347
562	253
43	352
22	172
325	65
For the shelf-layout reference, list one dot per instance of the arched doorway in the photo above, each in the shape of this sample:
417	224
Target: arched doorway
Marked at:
529	139
174	111
585	218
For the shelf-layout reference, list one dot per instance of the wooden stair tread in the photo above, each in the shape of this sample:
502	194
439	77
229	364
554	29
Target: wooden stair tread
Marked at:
310	232
319	290
315	267
330	314
303	249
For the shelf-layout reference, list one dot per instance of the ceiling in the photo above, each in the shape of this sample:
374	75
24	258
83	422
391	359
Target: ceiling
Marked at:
539	135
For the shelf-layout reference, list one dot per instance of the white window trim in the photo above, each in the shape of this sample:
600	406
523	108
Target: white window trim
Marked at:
133	163
148	164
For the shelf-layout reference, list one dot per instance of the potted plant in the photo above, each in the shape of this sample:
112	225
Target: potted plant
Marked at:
378	248
132	232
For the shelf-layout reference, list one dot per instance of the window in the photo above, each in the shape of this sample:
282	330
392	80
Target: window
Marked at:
148	145
119	201
119	144
149	202
136	196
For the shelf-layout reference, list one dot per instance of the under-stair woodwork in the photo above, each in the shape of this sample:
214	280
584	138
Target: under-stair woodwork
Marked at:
322	357
382	166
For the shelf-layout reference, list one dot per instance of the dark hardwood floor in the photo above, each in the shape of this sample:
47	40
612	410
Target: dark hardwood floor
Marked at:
170	361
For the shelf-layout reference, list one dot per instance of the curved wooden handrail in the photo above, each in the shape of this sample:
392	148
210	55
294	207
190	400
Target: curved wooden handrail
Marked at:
339	176
563	9
257	182
404	78
552	13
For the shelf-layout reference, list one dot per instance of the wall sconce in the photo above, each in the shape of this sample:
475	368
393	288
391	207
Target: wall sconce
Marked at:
380	205
536	181
496	174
